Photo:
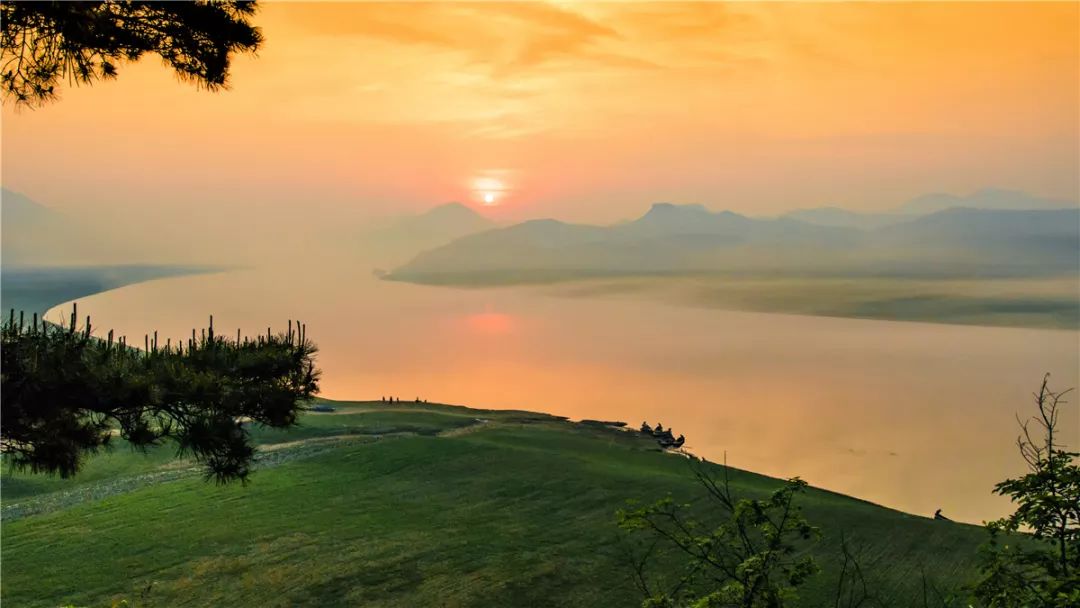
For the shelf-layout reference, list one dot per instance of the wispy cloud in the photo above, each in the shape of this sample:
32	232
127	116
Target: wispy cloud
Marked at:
516	37
601	101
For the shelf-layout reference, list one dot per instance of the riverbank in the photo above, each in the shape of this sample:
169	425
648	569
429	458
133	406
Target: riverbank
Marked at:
36	289
403	505
1035	303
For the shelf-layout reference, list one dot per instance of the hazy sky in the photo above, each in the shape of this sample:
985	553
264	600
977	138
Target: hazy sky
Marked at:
579	111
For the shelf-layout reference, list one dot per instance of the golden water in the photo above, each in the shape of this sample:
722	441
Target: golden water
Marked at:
913	416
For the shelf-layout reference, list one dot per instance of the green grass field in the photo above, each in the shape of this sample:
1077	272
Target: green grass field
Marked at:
402	505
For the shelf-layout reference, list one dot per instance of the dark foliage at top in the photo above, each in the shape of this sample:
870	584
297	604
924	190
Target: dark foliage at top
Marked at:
44	42
67	393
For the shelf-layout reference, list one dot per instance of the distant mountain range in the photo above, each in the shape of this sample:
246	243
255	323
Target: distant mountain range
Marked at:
49	258
402	237
988	199
33	234
845	218
447	221
690	239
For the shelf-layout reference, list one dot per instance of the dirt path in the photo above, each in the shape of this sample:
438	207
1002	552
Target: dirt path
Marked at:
268	456
465	430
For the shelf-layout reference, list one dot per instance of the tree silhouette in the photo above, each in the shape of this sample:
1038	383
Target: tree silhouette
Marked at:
1041	569
66	393
751	553
44	42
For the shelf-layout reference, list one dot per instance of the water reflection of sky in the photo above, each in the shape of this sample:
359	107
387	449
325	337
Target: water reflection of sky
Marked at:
490	323
914	416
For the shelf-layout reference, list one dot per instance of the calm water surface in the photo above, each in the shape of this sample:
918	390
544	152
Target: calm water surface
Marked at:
913	416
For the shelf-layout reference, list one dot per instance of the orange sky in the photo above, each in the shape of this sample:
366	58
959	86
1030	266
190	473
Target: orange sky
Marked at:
580	111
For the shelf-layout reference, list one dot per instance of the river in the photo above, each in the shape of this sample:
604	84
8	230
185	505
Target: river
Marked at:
909	415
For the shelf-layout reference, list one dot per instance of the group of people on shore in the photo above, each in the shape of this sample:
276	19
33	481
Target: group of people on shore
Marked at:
663	436
391	399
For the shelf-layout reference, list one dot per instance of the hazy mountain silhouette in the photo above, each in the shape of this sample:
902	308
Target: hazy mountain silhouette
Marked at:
688	239
845	218
49	258
668	239
401	237
987	226
984	242
989	198
450	219
17	208
33	234
1049	238
666	220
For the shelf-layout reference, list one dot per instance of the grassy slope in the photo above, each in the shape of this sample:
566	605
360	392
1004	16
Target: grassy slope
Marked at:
409	506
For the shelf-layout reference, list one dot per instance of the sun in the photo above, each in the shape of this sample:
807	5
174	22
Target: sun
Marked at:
488	191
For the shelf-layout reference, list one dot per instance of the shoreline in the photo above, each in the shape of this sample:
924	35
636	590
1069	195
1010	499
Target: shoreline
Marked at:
613	426
457	494
41	288
1006	302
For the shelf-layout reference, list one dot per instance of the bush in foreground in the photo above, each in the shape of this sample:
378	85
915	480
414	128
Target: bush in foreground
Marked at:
67	393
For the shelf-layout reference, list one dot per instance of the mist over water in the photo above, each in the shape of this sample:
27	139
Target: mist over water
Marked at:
910	415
